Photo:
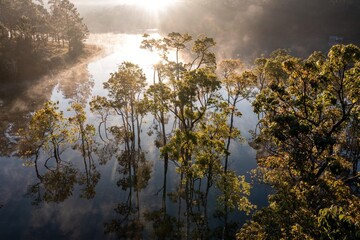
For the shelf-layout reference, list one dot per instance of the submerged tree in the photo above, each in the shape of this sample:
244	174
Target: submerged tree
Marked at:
47	131
125	104
306	118
48	135
238	85
189	91
125	88
85	143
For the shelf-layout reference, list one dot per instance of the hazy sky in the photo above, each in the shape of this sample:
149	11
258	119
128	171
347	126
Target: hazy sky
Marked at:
111	2
97	2
245	27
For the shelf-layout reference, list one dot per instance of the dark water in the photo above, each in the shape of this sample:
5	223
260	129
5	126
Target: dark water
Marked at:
85	198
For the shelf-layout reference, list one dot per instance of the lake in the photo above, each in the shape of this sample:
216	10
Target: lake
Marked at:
88	199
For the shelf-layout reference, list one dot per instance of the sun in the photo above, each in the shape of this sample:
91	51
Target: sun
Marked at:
153	5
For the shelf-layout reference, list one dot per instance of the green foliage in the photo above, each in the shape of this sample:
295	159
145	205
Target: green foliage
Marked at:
204	123
158	98
125	84
47	130
235	192
67	25
28	31
338	224
125	90
307	112
48	134
85	132
307	211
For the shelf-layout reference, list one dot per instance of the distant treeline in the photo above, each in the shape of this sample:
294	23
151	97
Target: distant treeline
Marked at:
34	38
243	28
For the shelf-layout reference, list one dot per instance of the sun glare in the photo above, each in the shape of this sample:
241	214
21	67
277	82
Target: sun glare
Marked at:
153	5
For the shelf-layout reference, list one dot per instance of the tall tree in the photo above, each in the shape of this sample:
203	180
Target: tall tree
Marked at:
305	120
189	92
238	85
125	89
68	25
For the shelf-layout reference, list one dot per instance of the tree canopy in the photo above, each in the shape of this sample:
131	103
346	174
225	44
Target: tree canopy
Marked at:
29	32
307	112
307	141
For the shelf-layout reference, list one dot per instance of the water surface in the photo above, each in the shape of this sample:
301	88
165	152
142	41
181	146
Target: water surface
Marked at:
86	200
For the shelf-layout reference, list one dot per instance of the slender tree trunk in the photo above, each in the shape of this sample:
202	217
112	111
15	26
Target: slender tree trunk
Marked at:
166	157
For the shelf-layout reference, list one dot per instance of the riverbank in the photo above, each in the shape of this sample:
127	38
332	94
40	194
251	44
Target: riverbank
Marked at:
90	52
20	97
57	60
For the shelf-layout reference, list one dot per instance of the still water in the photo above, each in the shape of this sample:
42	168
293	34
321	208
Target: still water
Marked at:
87	200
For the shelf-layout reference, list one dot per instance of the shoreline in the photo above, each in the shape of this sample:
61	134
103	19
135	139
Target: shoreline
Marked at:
18	99
64	63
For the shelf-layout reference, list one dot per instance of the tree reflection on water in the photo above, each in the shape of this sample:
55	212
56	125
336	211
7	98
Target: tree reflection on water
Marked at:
20	99
48	135
56	185
190	194
134	173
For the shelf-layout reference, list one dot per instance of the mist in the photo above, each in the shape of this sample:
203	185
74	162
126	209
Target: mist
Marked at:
242	28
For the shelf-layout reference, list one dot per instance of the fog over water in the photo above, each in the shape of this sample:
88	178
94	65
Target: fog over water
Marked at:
65	214
242	28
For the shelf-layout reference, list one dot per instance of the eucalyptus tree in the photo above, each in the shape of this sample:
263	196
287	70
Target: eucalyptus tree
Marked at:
125	89
156	98
306	118
125	102
46	137
238	85
194	93
85	132
269	69
159	93
102	107
47	131
189	92
84	141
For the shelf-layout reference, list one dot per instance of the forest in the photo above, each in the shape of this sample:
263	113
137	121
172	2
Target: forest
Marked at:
29	32
306	138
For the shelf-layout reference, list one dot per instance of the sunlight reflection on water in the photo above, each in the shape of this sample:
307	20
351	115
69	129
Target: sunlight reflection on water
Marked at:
80	83
126	47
